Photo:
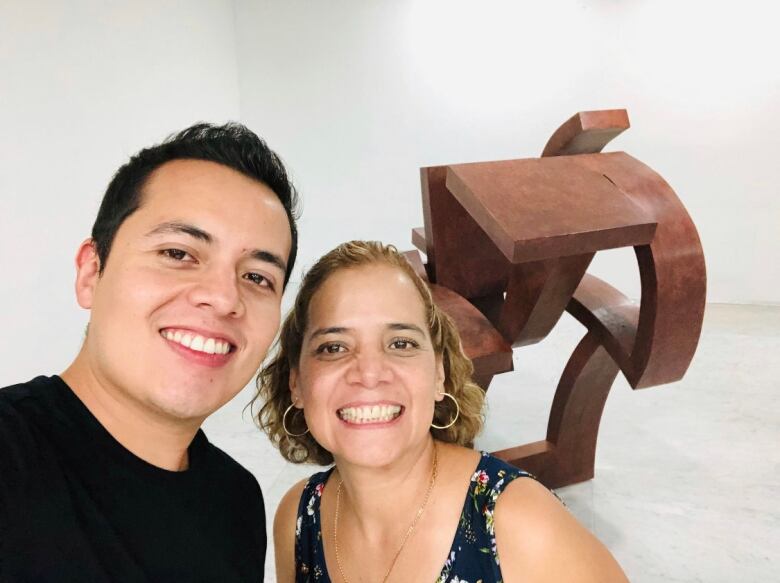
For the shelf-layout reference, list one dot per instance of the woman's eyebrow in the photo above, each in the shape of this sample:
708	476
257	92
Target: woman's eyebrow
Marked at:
329	330
398	326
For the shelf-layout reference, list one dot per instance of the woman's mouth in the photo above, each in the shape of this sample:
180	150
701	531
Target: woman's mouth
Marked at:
370	414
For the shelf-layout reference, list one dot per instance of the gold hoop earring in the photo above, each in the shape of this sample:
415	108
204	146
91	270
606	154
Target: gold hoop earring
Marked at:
457	413
284	423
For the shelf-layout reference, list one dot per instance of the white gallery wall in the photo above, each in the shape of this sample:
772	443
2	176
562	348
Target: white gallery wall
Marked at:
83	85
356	96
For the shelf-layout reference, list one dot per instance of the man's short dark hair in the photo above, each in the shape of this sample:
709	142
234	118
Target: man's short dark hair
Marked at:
232	145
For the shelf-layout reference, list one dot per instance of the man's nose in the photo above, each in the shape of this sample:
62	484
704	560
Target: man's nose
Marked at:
370	369
218	289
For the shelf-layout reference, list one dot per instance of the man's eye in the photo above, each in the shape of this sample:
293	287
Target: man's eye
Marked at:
258	279
403	344
175	254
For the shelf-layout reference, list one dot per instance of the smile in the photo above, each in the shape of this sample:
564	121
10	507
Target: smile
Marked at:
196	342
369	414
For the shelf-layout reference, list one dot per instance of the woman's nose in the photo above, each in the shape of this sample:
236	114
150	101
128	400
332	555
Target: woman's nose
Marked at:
370	369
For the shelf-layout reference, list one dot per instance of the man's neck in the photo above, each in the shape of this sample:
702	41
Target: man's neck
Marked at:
159	441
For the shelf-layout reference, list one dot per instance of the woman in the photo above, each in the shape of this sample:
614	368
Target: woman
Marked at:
370	375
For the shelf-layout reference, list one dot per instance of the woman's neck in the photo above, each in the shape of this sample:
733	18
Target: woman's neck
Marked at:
375	500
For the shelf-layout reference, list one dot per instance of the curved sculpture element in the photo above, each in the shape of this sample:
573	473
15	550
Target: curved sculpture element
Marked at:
512	240
587	132
672	272
568	454
673	296
609	315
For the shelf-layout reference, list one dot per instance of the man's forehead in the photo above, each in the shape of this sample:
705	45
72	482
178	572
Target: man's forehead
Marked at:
197	191
193	169
203	178
214	204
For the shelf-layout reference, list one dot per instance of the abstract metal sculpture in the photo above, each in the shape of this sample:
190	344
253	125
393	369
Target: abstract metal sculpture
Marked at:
508	245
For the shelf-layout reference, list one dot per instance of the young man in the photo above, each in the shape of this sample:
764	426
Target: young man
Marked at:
105	474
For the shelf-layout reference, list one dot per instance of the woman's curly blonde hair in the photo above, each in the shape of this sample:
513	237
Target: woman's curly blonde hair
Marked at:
273	382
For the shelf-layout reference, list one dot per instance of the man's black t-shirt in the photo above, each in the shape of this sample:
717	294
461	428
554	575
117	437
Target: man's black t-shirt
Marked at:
77	506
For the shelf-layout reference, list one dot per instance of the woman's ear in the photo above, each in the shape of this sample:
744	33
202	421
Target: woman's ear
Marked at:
87	273
440	377
295	391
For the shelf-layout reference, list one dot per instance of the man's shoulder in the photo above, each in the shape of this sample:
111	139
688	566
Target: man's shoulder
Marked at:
28	404
232	487
24	411
229	469
22	402
23	395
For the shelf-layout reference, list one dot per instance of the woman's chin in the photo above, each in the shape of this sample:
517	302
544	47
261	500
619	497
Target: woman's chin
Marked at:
370	450
367	454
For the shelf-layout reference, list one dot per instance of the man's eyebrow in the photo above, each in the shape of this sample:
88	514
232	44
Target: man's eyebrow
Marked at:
269	257
400	326
201	235
178	227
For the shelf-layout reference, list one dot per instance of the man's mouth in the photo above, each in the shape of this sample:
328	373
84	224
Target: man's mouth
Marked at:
197	342
362	415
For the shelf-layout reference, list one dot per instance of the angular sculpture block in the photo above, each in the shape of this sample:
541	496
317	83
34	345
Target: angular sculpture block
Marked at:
508	245
547	208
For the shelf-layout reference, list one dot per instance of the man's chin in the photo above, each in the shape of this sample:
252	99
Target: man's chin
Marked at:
191	398
187	409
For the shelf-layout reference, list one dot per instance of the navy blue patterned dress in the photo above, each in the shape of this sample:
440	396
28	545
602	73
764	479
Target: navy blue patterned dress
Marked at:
472	558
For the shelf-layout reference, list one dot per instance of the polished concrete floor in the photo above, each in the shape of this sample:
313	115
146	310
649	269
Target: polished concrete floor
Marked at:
687	484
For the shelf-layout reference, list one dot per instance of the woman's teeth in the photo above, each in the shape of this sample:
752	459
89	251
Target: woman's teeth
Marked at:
197	342
370	413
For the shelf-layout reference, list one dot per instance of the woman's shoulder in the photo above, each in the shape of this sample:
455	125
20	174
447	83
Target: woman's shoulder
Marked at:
288	507
492	476
495	466
531	499
552	545
302	493
297	512
528	500
300	497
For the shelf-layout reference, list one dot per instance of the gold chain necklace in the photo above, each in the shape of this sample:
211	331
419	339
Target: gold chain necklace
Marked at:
408	532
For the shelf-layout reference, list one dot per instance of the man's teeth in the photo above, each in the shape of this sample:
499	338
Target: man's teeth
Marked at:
370	413
197	342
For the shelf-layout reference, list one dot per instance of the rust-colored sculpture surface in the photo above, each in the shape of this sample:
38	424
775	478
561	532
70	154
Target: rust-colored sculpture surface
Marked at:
508	246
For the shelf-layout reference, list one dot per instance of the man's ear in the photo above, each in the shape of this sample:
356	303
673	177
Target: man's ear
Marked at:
297	396
87	273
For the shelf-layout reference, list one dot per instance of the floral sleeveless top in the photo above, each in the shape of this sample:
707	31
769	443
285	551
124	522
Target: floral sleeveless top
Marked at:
472	558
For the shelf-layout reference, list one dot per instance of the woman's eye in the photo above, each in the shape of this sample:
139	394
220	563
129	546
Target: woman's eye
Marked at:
175	254
258	279
331	348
